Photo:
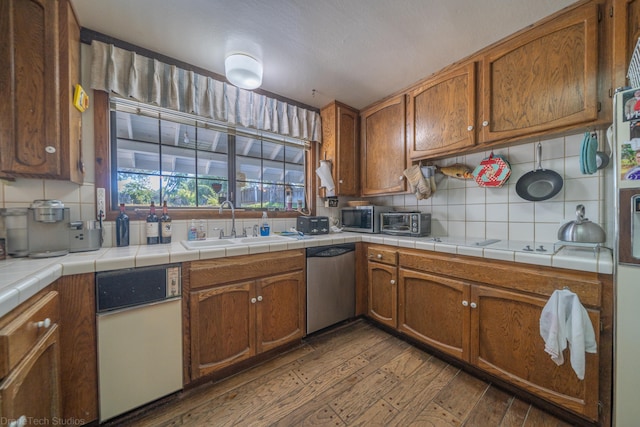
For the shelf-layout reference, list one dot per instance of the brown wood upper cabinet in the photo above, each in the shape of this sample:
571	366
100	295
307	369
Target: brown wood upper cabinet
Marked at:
40	129
384	147
340	136
542	79
441	113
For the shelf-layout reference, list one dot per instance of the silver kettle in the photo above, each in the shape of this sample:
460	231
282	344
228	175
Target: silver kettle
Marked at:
581	230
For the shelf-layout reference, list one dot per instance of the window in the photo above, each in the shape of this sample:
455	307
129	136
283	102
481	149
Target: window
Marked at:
190	162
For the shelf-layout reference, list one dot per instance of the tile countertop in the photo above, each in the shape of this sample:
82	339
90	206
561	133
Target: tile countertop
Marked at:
21	278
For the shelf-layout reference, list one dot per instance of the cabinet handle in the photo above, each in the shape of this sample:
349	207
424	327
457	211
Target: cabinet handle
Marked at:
253	300
474	305
393	282
44	323
379	256
50	149
470	127
485	123
259	297
465	303
20	422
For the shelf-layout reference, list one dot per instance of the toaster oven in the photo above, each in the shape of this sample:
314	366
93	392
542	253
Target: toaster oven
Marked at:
415	224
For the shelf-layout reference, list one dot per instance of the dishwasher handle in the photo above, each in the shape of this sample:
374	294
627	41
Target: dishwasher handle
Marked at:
330	251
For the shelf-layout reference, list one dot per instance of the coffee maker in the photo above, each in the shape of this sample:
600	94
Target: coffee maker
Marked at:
48	229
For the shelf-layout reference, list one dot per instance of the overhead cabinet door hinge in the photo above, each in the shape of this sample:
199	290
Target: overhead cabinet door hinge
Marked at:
599	106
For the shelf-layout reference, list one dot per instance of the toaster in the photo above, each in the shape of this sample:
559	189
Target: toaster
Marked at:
313	224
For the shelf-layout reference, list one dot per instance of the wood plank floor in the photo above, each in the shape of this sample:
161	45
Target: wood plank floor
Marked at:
356	375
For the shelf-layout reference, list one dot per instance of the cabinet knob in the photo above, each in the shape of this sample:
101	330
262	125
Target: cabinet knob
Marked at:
253	300
485	123
259	297
465	303
379	256
470	127
474	305
50	149
393	282
340	181
401	177
44	323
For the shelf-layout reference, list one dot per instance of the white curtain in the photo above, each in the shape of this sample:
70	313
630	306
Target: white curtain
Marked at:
153	82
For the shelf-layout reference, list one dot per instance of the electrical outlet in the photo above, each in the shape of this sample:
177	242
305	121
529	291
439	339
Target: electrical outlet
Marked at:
101	209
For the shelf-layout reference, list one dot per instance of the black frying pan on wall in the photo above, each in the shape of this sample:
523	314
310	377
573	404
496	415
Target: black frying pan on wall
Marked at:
539	184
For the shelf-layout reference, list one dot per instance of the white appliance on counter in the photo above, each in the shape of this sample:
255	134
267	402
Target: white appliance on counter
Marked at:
626	155
139	323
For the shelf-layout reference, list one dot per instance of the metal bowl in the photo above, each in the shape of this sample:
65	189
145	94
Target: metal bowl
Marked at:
581	230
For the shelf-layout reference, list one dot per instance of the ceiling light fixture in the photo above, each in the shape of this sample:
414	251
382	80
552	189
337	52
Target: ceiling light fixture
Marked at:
243	71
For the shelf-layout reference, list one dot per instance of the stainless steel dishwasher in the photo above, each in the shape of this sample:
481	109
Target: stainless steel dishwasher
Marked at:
331	285
139	322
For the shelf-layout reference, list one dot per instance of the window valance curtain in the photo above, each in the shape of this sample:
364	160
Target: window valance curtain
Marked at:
152	82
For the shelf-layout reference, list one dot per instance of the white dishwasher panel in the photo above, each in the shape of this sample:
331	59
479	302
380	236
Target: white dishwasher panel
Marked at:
139	355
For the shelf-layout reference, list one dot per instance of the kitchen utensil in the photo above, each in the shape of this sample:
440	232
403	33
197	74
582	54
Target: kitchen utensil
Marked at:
581	230
539	184
492	171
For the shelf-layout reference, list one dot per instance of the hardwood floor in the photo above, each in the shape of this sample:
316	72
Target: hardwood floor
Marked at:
356	375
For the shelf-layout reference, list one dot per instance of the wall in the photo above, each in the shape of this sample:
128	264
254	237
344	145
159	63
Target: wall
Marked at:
462	209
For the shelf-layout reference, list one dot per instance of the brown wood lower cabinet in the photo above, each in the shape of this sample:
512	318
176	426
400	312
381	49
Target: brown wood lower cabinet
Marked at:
492	321
242	306
31	352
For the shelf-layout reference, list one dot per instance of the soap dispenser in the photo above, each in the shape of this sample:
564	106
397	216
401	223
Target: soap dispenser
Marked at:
264	228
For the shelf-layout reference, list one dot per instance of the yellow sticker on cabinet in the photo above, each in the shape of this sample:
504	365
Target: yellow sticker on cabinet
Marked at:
80	99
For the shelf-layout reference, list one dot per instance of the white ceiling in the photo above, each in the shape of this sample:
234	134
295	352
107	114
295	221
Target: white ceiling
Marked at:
355	51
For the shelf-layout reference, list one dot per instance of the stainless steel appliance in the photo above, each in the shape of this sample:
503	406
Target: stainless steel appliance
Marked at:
139	323
331	289
626	199
415	224
85	236
362	219
313	225
48	229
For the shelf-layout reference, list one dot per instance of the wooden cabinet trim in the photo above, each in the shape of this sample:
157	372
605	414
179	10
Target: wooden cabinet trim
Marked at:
536	280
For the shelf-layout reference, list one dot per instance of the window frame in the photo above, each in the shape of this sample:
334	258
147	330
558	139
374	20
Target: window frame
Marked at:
104	178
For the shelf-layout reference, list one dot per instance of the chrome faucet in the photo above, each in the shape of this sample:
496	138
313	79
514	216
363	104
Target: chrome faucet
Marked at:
233	219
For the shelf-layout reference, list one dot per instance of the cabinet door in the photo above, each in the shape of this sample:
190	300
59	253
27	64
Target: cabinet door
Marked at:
340	138
222	327
279	310
384	148
383	295
28	86
441	113
506	342
32	389
434	310
543	79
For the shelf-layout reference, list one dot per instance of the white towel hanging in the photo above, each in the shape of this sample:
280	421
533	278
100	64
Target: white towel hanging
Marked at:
565	321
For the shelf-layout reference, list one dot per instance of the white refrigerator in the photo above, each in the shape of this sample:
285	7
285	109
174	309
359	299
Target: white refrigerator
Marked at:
626	222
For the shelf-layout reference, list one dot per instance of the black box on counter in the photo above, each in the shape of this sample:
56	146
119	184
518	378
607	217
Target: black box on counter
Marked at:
313	225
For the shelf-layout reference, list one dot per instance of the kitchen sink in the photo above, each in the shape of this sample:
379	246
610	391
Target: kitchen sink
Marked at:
215	242
207	243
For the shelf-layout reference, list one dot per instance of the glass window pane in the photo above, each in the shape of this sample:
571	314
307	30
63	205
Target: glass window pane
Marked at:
248	147
212	192
179	191
248	169
213	165
294	155
273	151
138	128
136	156
138	190
212	140
178	161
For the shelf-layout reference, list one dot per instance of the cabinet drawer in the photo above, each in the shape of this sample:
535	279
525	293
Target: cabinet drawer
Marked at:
383	255
18	336
245	267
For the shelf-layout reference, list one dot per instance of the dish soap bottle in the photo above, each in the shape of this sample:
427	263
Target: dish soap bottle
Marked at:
264	228
193	231
122	227
152	225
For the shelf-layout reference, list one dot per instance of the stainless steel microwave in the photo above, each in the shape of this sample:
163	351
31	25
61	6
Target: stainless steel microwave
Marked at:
415	224
362	219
